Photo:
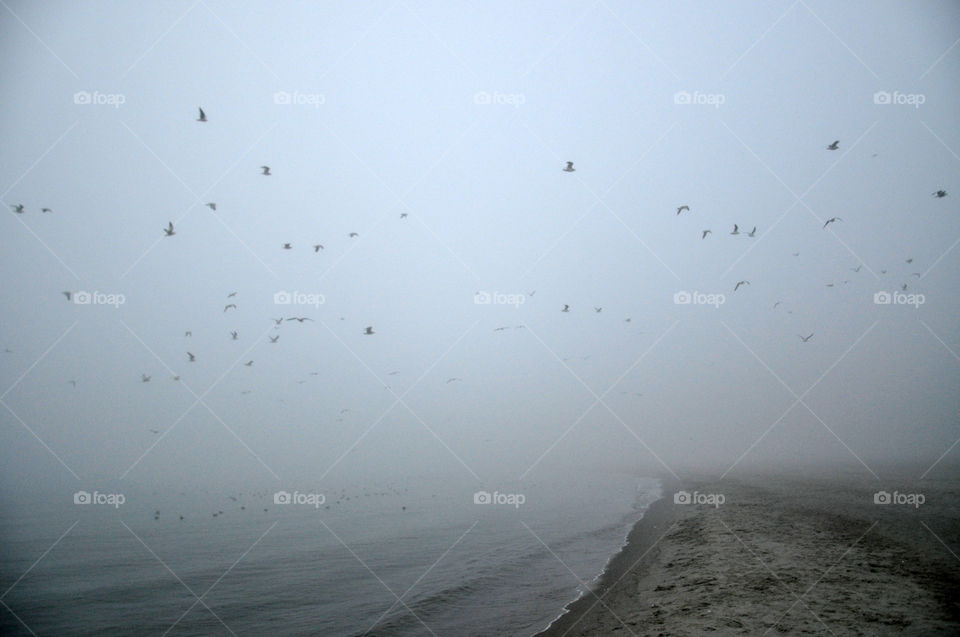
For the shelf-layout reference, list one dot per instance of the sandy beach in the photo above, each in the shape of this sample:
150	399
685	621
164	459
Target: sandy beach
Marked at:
778	554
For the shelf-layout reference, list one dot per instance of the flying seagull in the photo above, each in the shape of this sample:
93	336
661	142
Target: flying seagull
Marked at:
67	294
169	230
188	333
739	283
248	363
752	232
72	382
403	215
287	246
910	260
192	357
203	116
234	334
736	229
499	329
566	308
450	380
212	205
776	304
45	210
277	321
317	247
705	233
857	269
682	208
834	146
368	331
229	305
300	319
266	170
353	235
807	338
144	378
231	295
598	309
18	208
274	339
831	220
569	168
940	194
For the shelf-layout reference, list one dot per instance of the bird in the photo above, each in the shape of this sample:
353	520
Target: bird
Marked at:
192	357
229	305
300	319
277	321
857	269
67	294
532	293
72	382
265	170
627	320
904	287
317	247
736	229
18	208
403	215
917	274
910	260
796	254
231	295
46	210
234	334
274	339
393	373
569	168
368	331
566	308
831	220
752	232
682	208
154	431
176	378
805	338
500	329
144	378
704	234
169	229
598	309
776	304
739	283
834	146
203	116
188	333
287	246
249	363
940	194
212	205
450	380
353	235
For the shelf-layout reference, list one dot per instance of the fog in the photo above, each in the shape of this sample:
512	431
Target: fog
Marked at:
438	133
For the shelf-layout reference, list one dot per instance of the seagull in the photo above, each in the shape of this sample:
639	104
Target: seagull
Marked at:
569	168
807	338
831	220
940	194
46	210
857	269
682	208
72	382
300	319
169	230
705	233
369	331
274	339
910	260
752	232
796	254
266	170
500	329
353	235
234	334
18	208
776	304
231	295
249	363
883	271
736	229
566	308
67	294
393	373
834	146
287	246
229	305
403	215
450	380
917	274
904	287
176	378
598	309
144	378
277	321
317	247
156	431
532	293
188	333
739	283
627	320
203	116
192	357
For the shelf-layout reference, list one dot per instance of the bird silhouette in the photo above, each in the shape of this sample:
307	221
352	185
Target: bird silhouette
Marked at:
248	363
739	283
403	215
368	331
805	338
203	116
234	334
274	339
229	305
18	208
265	170
67	294
566	308
940	194
46	210
192	357
144	378
353	235
704	234
300	319
831	220
834	146
569	168
212	205
169	229
736	229
287	246
752	232
682	208
317	247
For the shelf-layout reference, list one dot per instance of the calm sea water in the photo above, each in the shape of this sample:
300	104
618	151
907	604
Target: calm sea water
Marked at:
414	558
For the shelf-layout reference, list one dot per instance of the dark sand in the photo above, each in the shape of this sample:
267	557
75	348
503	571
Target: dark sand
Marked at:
784	555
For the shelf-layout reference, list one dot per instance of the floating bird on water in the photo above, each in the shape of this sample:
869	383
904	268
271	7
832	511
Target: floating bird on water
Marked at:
569	168
807	338
834	146
368	331
212	205
229	305
265	170
831	220
704	234
736	229
566	308
192	357
739	283
682	208
940	194
203	116
169	229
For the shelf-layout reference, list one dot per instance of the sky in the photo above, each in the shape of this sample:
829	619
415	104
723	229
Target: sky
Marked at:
438	133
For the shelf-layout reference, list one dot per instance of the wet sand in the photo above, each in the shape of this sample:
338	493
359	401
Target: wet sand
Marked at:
784	555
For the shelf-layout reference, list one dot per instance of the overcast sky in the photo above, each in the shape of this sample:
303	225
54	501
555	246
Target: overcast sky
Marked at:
461	116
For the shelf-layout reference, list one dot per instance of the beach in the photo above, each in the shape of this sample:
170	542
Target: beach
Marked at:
784	554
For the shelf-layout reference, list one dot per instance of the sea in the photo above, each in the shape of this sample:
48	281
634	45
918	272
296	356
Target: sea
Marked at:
418	556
